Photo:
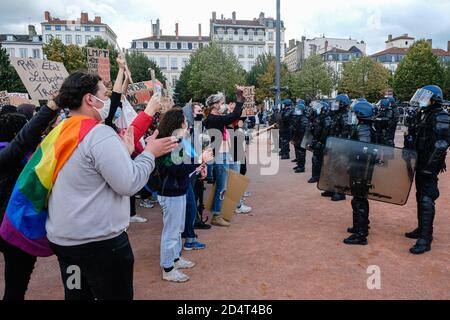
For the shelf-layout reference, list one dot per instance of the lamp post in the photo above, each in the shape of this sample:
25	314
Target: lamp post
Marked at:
278	57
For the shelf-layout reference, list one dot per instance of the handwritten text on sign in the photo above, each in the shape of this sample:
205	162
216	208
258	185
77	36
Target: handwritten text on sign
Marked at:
98	61
42	78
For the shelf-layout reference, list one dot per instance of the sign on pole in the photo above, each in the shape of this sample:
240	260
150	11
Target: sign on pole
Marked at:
98	61
249	104
41	78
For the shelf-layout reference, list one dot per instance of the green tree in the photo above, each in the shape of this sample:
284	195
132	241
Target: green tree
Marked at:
55	50
315	79
9	79
211	70
99	43
365	78
419	68
182	94
262	64
74	59
138	63
446	80
266	82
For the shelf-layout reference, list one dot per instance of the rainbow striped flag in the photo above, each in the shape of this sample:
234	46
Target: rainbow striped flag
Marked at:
24	222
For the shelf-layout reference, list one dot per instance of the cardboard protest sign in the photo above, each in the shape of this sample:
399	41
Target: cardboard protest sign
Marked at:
98	61
42	78
249	104
141	92
237	184
4	98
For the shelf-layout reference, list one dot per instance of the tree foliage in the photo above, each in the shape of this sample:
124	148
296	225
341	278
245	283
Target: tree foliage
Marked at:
139	66
9	79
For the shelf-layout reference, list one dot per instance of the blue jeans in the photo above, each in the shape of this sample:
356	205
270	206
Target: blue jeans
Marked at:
236	166
191	212
174	216
220	168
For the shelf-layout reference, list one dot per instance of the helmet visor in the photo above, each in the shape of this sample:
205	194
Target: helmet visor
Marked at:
421	98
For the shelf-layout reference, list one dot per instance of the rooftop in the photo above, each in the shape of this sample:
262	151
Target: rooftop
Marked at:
404	51
19	37
175	38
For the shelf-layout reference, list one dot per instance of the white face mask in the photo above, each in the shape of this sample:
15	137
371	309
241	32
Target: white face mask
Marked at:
223	109
355	120
104	111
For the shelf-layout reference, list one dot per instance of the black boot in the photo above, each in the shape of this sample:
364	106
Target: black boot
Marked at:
413	234
427	213
313	180
295	160
299	170
338	197
361	222
285	157
356	239
327	194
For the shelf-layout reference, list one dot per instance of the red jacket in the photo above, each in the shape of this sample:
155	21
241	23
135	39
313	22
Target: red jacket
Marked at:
140	124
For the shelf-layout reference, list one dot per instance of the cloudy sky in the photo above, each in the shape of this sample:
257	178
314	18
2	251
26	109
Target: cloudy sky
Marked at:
366	20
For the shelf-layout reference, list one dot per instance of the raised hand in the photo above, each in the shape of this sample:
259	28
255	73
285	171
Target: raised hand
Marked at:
159	147
128	139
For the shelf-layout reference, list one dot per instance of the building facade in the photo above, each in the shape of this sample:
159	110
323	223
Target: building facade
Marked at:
170	52
78	31
246	39
23	46
299	51
397	48
335	58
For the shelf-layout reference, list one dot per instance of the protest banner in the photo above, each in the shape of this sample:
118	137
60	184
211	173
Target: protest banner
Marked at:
141	92
237	184
41	78
98	61
4	98
249	104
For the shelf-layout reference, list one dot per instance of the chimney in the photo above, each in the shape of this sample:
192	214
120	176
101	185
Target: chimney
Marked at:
390	37
448	46
84	17
98	20
292	43
48	17
176	30
200	32
430	42
214	16
158	29
326	46
31	31
234	17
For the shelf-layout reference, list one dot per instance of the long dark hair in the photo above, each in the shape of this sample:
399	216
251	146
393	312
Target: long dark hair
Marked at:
170	121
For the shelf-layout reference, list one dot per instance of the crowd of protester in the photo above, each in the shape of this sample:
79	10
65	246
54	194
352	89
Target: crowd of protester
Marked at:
70	174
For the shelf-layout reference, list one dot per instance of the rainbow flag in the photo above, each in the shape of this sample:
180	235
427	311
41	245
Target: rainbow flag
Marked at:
24	222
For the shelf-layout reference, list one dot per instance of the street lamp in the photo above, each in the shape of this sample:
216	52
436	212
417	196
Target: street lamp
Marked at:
278	56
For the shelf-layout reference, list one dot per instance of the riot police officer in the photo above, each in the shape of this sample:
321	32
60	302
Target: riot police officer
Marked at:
385	123
321	127
341	128
431	143
300	123
285	132
362	118
411	120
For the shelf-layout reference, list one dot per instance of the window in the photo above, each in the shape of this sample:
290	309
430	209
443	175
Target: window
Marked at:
163	63
59	37
241	52
393	58
58	28
48	38
241	35
162	45
67	28
184	62
251	52
270	36
260	50
145	44
77	28
260	35
11	52
139	44
10	38
36	53
48	28
87	38
173	46
151	45
174	63
230	34
250	35
195	45
220	34
271	50
184	46
97	29
174	81
87	28
68	39
78	39
23	53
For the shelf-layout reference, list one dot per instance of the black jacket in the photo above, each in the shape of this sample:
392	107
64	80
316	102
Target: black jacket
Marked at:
10	157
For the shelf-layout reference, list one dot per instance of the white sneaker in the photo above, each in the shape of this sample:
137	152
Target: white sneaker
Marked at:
146	204
247	194
243	209
175	276
184	264
138	219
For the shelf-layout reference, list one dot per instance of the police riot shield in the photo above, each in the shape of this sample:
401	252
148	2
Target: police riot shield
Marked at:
366	170
307	139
